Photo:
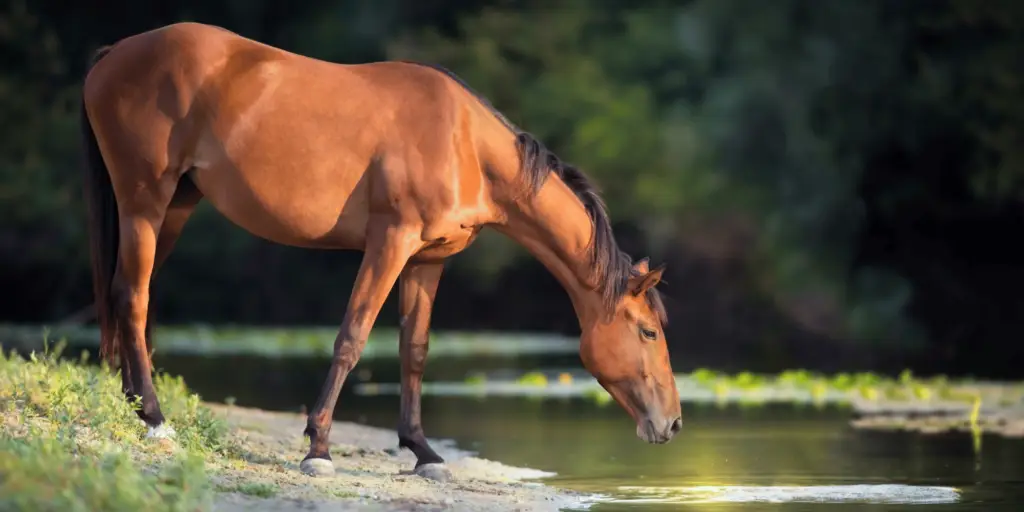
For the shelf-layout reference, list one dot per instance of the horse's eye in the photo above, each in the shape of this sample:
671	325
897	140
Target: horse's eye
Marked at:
649	334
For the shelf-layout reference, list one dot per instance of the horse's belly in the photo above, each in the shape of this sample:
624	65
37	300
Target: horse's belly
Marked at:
288	206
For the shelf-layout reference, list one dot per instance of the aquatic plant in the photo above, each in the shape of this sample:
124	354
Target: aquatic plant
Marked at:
973	422
476	379
747	381
842	382
975	411
798	388
302	341
721	390
798	378
896	393
818	390
533	379
704	377
921	391
869	392
598	395
867	379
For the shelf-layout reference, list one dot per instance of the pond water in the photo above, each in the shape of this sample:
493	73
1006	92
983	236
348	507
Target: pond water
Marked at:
737	458
726	458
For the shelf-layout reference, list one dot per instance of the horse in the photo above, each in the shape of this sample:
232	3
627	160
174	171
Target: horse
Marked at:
400	160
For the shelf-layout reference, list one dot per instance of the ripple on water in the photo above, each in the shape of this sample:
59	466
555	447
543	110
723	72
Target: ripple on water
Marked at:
882	493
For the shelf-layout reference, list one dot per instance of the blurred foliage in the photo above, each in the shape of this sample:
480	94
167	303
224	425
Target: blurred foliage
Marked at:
866	154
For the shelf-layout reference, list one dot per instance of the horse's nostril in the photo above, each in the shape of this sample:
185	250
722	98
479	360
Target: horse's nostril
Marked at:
677	425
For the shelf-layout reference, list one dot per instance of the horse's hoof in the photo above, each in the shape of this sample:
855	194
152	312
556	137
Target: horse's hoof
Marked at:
434	471
317	467
161	431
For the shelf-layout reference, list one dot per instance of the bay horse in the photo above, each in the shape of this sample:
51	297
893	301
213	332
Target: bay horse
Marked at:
400	160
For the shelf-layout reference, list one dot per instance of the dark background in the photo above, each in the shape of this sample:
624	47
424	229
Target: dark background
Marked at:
834	184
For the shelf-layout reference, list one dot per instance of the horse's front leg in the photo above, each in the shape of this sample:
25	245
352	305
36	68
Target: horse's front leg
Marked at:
388	248
417	289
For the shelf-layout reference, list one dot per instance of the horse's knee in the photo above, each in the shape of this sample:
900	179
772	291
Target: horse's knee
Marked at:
347	352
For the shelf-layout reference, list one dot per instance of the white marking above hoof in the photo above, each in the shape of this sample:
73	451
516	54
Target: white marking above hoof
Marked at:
317	467
161	431
434	471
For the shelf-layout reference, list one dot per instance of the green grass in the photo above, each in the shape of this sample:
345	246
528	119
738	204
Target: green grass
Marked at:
69	441
344	493
257	489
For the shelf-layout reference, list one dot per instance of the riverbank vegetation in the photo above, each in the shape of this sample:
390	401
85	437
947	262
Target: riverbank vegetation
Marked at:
72	442
932	404
69	441
207	340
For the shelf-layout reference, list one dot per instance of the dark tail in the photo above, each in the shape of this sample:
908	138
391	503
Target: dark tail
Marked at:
103	232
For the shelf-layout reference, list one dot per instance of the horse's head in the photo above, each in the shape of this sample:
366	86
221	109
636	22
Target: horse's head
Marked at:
628	355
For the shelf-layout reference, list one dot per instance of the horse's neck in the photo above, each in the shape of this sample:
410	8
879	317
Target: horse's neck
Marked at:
555	227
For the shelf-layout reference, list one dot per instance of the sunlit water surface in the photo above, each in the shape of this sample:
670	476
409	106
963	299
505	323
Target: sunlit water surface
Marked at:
732	458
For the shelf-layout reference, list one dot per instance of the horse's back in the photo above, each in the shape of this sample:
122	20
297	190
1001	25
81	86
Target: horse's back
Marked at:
293	149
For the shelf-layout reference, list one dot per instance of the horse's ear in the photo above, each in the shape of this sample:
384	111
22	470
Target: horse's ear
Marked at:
639	284
641	266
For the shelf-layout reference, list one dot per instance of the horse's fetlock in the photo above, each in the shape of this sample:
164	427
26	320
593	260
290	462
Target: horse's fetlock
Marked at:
408	430
411	438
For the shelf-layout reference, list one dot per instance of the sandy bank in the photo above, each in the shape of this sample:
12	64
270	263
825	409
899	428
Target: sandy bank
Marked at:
370	473
1004	419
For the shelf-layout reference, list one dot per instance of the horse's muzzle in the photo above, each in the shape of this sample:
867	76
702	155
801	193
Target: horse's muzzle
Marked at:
649	430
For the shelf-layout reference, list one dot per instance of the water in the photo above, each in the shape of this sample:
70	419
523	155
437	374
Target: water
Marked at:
732	458
777	453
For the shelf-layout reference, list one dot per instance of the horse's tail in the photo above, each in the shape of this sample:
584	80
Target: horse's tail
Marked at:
103	231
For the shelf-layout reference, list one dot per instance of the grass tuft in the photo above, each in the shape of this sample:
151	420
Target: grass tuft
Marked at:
70	440
257	489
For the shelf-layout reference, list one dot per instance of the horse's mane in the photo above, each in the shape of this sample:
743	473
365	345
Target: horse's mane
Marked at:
612	266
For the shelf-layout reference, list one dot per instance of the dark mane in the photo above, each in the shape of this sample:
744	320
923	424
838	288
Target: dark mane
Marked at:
613	266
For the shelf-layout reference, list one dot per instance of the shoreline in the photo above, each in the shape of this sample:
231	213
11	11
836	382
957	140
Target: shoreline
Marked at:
370	472
1004	419
74	443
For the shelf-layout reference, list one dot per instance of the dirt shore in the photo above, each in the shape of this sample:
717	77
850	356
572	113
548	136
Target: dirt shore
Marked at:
370	473
1004	419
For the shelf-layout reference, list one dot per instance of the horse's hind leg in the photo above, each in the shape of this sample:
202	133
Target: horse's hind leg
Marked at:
141	215
130	294
183	203
417	289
